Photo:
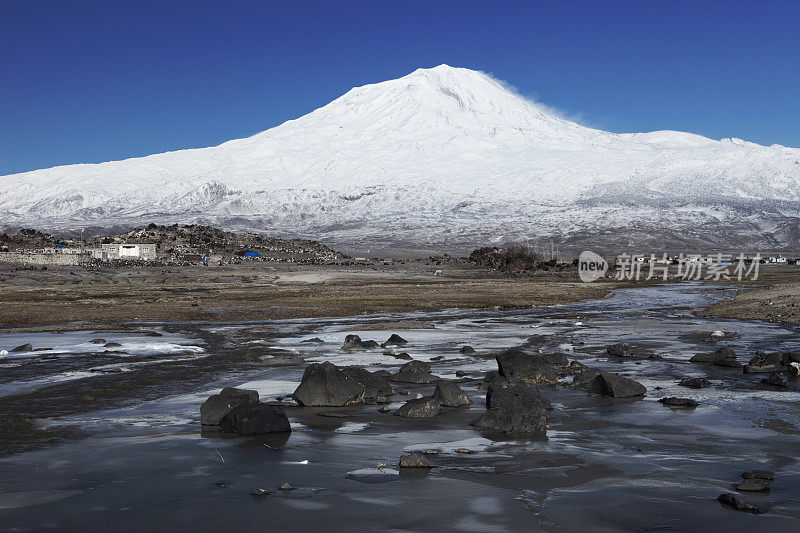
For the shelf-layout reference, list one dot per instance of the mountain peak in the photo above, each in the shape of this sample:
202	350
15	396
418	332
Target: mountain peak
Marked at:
437	153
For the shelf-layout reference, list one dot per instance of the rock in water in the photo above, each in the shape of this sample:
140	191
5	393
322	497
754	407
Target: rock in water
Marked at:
313	340
694	383
515	409
414	372
616	386
415	460
354	342
754	484
739	503
98	341
763	363
759	474
395	340
22	348
672	401
421	408
467	350
325	385
518	365
776	380
450	394
219	405
582	378
722	357
376	388
255	419
626	350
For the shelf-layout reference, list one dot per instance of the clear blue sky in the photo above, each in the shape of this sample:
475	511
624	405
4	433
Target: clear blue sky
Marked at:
90	81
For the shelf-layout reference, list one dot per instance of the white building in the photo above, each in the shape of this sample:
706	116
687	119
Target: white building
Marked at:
129	251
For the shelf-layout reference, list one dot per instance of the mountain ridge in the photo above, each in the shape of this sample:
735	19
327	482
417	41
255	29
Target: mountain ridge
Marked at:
437	157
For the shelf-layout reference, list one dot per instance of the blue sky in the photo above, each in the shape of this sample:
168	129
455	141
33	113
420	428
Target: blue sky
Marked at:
90	81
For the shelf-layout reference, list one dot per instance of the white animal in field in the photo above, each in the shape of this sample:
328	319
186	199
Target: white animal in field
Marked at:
437	273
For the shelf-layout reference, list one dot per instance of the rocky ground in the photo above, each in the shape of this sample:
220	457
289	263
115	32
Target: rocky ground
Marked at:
774	297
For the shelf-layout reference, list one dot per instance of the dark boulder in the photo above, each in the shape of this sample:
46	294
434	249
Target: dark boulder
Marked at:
739	503
354	342
515	409
493	379
414	372
313	340
754	484
420	408
514	397
776	380
22	348
450	394
621	349
759	474
517	364
415	460
583	378
219	405
763	363
402	355
466	350
255	419
722	357
694	383
394	341
615	386
98	341
325	385
112	345
672	401
376	388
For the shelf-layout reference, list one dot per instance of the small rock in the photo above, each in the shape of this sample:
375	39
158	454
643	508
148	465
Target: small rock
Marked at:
259	492
451	394
616	386
465	451
323	384
420	408
753	485
219	405
722	357
694	383
460	373
98	341
286	486
759	474
384	409
394	340
255	419
739	503
112	345
467	350
313	340
672	401
22	348
414	372
776	380
354	342
415	460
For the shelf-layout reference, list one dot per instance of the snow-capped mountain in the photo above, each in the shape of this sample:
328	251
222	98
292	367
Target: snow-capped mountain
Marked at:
442	157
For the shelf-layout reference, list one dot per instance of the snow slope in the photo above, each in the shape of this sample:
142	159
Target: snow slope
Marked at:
442	156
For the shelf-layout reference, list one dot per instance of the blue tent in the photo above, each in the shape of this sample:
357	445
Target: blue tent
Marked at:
252	254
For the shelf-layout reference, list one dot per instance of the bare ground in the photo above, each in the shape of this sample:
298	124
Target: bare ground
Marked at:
111	296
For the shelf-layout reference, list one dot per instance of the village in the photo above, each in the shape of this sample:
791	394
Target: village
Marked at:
161	245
